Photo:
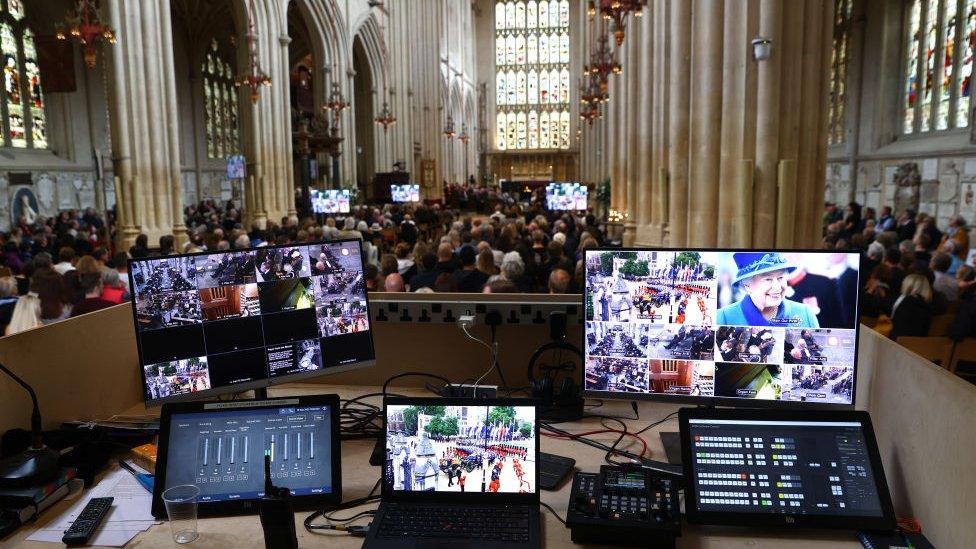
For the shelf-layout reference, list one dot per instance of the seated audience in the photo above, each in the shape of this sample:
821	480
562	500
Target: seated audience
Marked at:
911	313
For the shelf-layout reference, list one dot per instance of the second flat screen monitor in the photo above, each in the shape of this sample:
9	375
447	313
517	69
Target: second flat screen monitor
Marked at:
230	321
747	327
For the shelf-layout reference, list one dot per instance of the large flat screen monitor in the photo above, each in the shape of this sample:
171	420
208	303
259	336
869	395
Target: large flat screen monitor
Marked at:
566	197
731	327
405	193
213	323
330	201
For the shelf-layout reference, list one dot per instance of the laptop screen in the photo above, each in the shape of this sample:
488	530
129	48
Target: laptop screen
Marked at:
461	448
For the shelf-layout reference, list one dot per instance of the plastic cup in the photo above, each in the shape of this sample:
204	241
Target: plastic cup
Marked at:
181	508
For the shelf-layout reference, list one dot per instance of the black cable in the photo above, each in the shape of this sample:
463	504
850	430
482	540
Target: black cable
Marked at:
342	506
553	511
656	423
498	366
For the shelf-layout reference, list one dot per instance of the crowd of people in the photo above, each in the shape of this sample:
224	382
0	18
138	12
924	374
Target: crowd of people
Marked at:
911	269
480	240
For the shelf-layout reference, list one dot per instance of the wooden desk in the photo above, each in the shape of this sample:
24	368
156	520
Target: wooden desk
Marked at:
358	477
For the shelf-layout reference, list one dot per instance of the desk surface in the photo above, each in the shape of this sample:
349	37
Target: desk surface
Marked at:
358	477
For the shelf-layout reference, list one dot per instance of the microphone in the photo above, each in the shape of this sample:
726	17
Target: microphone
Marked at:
35	465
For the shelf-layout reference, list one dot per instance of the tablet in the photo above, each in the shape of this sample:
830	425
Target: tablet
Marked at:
219	447
803	469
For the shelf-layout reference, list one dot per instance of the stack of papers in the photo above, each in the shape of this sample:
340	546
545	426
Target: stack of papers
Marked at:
130	513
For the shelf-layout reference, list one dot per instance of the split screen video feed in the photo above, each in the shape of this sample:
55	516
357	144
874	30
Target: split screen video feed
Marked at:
489	449
730	324
207	321
566	197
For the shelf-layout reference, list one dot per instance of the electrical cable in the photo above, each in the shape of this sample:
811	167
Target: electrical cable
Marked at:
493	349
355	530
498	365
553	511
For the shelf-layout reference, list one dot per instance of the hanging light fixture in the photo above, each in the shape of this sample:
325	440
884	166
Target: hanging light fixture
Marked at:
449	127
463	137
617	11
254	78
335	103
385	118
84	25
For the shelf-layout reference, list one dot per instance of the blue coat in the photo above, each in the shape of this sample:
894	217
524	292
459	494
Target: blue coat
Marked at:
739	314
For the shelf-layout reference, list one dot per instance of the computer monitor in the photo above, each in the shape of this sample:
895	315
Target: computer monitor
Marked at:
330	201
405	193
218	322
748	328
566	197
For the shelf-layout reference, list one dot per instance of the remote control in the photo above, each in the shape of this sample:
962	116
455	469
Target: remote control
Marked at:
84	526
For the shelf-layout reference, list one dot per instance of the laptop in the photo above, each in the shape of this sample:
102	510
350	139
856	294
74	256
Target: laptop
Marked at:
459	472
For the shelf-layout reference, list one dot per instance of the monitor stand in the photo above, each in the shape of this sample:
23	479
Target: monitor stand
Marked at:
672	446
261	393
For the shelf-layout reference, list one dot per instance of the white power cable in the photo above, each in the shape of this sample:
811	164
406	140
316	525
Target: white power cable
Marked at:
493	349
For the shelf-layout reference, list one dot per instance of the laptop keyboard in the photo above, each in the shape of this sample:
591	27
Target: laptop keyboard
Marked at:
503	524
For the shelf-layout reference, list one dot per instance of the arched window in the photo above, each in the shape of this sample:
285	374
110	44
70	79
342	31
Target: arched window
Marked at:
22	120
220	104
839	60
533	92
940	36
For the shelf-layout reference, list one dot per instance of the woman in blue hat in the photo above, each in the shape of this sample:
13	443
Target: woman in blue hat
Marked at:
763	276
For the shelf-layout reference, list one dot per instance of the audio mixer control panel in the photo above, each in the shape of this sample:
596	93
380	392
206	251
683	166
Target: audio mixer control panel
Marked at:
230	449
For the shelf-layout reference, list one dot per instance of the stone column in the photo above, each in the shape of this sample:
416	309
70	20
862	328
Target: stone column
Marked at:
728	141
146	154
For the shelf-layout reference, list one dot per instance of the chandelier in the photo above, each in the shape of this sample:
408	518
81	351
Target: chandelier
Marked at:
84	24
591	96
602	61
385	118
463	137
254	78
335	103
449	127
617	11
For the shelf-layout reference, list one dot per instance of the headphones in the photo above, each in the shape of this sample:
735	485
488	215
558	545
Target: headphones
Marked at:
569	398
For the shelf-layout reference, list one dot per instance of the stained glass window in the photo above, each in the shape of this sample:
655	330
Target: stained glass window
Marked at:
220	100
533	88
940	36
533	129
23	123
965	72
839	61
500	131
532	84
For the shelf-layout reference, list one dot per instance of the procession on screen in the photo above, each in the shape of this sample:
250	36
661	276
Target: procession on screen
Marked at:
488	449
735	324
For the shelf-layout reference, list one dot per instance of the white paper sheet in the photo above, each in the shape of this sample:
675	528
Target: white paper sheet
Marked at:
131	512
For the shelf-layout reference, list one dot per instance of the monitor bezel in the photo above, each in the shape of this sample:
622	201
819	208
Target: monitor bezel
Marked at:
248	506
714	400
886	522
389	494
247	385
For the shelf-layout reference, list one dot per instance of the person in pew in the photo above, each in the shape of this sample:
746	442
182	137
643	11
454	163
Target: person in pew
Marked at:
91	284
912	312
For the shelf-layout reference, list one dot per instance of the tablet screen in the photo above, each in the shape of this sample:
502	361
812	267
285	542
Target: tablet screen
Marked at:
222	451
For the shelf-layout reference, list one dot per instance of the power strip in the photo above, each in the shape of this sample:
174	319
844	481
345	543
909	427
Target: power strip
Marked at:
468	390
